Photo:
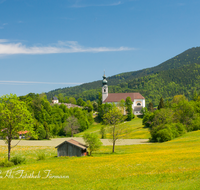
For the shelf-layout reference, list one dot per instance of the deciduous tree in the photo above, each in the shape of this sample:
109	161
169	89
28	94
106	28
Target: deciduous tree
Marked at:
92	141
14	117
113	118
122	105
72	100
72	125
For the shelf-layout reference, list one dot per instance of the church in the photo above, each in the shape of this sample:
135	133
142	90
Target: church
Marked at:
137	99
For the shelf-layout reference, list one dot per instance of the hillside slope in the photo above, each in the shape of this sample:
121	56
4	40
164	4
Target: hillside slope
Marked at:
130	81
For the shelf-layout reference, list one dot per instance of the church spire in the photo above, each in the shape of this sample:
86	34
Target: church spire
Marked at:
104	88
104	82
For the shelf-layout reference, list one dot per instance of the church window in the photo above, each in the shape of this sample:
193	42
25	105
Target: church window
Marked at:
138	104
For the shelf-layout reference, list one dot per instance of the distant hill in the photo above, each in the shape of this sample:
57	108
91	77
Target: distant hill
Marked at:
136	80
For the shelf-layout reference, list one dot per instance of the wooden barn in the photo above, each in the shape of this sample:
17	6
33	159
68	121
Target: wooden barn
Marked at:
71	148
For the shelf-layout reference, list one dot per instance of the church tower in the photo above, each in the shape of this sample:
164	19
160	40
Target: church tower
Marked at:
104	88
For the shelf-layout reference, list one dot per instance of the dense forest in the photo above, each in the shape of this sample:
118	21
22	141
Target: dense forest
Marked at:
51	120
178	75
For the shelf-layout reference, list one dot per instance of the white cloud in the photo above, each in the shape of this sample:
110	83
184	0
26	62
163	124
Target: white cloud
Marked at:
32	82
60	47
3	40
96	5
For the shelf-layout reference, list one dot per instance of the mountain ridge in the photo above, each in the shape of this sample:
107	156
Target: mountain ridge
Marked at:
185	58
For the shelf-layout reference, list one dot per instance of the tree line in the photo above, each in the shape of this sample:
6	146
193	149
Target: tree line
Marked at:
173	118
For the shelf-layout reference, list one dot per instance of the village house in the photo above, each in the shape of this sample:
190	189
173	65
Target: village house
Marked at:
69	105
55	100
137	99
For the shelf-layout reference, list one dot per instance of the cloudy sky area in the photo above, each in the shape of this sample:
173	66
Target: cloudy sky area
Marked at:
48	44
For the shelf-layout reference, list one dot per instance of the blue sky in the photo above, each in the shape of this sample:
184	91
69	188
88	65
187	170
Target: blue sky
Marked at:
48	44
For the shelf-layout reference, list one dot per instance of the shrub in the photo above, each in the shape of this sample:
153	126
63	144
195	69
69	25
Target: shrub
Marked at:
41	156
6	163
18	160
164	135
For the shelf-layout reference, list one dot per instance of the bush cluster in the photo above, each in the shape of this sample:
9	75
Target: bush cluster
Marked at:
18	159
176	118
162	133
6	163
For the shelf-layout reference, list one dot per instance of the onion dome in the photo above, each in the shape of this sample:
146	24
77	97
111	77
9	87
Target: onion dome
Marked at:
104	82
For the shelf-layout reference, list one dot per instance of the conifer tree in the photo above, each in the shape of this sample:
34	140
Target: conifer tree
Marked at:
161	104
150	107
129	108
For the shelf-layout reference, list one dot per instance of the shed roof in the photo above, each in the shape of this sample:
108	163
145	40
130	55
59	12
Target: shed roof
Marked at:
117	97
76	143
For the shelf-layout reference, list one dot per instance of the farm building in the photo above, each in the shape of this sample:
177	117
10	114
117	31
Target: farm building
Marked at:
71	148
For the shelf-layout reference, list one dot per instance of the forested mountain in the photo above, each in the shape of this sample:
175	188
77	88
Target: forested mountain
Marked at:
178	75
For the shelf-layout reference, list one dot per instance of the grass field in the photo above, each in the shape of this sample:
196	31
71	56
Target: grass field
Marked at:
138	131
170	165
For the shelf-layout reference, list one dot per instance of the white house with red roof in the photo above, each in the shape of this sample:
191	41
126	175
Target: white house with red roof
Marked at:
137	99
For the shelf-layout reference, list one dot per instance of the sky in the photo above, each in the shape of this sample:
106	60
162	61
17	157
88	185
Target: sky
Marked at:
48	44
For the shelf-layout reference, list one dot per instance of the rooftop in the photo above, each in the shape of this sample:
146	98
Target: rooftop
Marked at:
76	143
117	97
55	98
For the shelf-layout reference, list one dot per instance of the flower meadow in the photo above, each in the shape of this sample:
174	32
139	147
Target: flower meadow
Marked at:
170	165
135	127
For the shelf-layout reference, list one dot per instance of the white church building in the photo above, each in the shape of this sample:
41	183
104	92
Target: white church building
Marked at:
137	99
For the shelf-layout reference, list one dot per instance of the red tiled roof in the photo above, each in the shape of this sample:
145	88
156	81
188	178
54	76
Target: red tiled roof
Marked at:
22	132
117	97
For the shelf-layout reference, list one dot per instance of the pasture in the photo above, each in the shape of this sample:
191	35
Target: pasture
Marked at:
138	131
170	165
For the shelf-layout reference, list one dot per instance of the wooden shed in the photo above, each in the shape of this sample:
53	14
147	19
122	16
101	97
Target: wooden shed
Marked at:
71	148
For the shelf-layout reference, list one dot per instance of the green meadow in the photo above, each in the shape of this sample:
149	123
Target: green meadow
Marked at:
170	165
137	130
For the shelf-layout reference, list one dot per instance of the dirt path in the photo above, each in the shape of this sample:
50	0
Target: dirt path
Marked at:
57	141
